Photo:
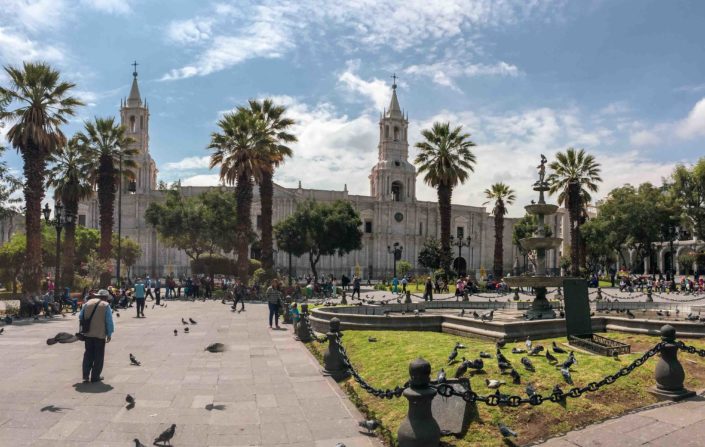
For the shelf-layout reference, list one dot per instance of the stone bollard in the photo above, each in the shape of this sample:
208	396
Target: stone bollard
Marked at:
332	359
286	318
669	372
559	294
516	294
407	300
302	330
465	296
344	300
419	428
599	294
649	298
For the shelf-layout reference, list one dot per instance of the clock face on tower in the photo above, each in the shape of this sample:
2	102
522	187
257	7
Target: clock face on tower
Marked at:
398	217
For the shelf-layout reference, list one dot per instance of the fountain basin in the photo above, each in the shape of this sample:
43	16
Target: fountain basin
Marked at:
533	281
541	208
538	243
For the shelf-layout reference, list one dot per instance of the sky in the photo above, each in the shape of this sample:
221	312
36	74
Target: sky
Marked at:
625	80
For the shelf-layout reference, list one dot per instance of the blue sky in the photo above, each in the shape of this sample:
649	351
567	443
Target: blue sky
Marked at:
623	79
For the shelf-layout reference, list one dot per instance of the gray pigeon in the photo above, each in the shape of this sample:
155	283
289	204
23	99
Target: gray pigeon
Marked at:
340	444
550	357
536	350
462	369
566	375
518	351
516	378
184	321
485	355
192	321
138	443
494	384
369	424
527	364
186	330
506	431
166	436
215	347
176	332
134	360
441	376
452	356
530	390
557	349
528	343
130	400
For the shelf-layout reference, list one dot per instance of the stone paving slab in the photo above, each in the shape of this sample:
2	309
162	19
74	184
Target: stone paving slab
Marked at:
265	390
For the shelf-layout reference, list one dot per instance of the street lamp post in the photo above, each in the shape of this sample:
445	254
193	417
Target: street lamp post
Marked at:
60	220
396	249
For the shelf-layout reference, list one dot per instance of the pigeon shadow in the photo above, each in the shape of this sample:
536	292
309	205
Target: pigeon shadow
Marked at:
92	388
53	409
219	407
369	434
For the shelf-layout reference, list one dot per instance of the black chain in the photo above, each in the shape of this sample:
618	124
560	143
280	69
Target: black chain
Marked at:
697	298
307	322
377	392
690	349
494	400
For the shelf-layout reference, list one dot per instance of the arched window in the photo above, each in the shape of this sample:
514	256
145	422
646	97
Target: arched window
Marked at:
132	123
397	191
396	133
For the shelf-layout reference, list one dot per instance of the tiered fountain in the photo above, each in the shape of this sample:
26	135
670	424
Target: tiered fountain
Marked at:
540	308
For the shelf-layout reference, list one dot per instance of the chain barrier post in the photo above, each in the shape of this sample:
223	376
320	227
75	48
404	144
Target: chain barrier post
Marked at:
516	294
419	428
649	298
303	333
287	318
407	300
344	300
599	294
669	372
333	363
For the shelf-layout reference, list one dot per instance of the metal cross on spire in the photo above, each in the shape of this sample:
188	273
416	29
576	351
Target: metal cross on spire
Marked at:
394	81
134	64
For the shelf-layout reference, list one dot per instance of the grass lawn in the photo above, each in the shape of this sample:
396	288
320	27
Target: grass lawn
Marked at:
385	364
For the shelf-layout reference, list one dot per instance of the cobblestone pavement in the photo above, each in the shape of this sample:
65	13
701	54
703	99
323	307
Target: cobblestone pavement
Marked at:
266	389
669	425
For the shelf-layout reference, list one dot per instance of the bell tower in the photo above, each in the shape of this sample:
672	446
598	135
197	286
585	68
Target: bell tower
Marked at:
393	178
134	116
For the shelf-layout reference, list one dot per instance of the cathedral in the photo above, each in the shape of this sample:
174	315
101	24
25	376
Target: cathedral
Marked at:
392	217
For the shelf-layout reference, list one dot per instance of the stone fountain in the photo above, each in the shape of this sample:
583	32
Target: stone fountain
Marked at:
540	307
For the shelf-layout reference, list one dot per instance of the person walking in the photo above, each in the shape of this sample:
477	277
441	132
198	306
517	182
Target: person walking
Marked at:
100	331
356	287
158	291
239	295
428	290
274	298
140	297
148	288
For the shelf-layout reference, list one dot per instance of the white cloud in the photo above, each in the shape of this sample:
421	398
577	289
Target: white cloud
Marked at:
444	73
644	138
275	27
34	15
201	180
15	48
109	6
377	90
694	124
189	163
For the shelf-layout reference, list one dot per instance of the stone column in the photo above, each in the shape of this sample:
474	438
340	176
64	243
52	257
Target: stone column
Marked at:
332	359
419	428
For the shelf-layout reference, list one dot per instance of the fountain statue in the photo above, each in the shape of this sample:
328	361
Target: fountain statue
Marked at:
540	308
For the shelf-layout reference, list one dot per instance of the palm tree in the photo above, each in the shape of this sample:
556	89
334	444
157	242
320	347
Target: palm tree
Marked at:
104	143
575	175
36	102
237	149
502	195
273	156
67	175
446	158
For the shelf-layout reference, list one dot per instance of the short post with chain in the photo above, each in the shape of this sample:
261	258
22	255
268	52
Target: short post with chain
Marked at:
333	363
669	372
419	428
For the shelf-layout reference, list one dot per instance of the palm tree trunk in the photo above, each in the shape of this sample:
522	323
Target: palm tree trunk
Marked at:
69	248
106	205
34	170
445	193
498	245
574	213
266	192
243	230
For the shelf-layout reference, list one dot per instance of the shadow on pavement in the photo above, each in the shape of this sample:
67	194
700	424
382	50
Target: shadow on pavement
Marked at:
95	387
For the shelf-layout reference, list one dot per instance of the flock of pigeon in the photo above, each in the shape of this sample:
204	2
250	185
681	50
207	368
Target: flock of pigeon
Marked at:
506	368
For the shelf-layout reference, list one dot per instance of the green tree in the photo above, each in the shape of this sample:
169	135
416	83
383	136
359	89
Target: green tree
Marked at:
67	175
104	142
130	251
87	241
430	255
688	187
12	255
575	174
502	195
324	229
36	102
446	160
273	154
237	149
9	185
403	267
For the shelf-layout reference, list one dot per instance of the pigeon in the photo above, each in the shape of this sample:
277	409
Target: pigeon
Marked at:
184	321
462	313
530	390
452	356
215	347
536	350
528	344
52	409
550	357
462	369
134	361
630	314
138	443
192	321
527	364
615	355
572	357
557	390
475	315
369	424
371	339
459	345
186	330
476	364
566	375
130	400
176	332
506	431
488	316
166	436
504	367
568	363
485	355
557	349
516	378
518	351
117	314
340	444
441	376
2	330
501	357
500	343
494	384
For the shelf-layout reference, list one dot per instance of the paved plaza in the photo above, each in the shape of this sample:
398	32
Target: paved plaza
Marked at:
265	390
